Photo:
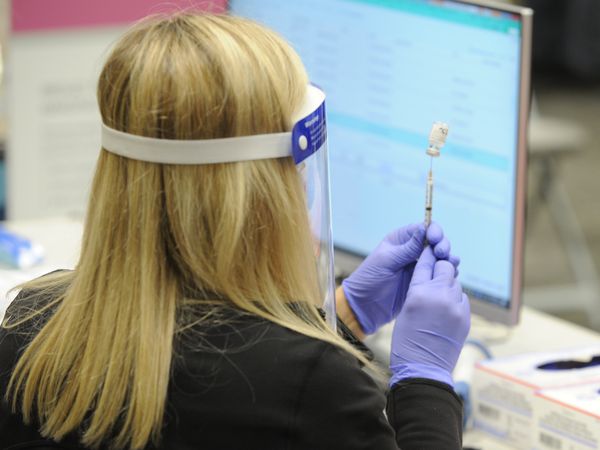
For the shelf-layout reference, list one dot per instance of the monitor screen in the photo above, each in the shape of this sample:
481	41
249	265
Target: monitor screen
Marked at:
390	69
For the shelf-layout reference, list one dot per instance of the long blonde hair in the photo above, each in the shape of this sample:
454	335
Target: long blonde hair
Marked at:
161	239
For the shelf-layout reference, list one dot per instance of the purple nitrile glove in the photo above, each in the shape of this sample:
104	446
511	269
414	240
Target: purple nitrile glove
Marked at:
377	288
432	327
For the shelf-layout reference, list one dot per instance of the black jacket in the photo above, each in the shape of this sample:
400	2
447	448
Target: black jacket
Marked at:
242	382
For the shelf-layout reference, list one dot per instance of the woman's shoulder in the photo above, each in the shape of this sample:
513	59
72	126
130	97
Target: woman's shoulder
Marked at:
248	348
24	317
248	360
34	302
230	330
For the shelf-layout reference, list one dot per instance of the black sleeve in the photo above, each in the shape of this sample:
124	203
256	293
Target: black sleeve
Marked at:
426	414
341	407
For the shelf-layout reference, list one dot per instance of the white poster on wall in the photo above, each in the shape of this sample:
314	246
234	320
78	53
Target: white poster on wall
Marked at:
54	132
56	51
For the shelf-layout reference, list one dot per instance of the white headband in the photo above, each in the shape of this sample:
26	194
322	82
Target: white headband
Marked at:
209	151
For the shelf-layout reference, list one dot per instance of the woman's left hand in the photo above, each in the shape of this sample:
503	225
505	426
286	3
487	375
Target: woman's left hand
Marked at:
376	290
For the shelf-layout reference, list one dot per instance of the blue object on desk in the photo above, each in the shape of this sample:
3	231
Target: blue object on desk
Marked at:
18	252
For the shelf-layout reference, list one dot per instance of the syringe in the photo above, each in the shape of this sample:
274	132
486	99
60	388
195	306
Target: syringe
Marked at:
437	139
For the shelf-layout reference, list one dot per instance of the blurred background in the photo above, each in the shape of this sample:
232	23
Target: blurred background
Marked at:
562	254
562	257
4	26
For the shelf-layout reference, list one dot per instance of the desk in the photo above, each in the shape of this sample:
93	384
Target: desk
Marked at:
537	331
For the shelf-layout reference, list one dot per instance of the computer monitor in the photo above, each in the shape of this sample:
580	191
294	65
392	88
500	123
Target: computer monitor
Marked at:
391	68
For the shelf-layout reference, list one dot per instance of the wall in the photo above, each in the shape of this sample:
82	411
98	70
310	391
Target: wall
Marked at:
57	49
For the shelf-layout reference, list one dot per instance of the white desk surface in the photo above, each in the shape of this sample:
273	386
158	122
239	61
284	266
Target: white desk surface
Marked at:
537	331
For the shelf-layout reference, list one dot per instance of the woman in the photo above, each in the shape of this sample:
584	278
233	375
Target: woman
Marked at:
187	322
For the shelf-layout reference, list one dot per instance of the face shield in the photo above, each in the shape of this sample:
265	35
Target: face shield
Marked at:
306	144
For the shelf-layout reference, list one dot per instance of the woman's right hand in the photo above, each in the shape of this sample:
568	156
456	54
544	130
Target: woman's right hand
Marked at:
433	324
376	290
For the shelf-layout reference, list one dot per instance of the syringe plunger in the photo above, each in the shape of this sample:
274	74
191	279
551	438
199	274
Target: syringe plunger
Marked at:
437	138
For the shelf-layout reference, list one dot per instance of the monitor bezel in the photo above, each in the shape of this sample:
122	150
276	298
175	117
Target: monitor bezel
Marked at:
511	314
347	260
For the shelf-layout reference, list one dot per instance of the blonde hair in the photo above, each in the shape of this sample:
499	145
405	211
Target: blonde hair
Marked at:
159	240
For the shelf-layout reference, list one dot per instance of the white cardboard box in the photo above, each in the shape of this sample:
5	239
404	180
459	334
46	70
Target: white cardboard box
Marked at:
567	418
504	391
